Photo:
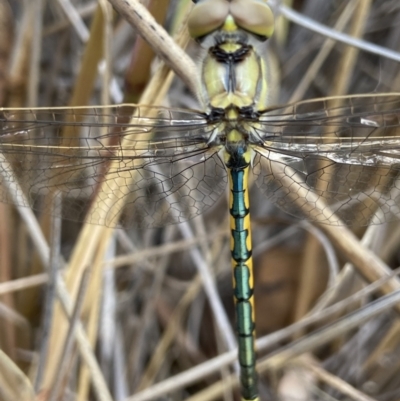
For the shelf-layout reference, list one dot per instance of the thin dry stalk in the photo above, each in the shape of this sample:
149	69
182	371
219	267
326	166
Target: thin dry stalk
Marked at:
311	277
67	353
169	335
91	312
165	249
94	51
139	72
322	55
53	271
36	48
281	358
159	40
335	382
90	235
23	283
6	41
265	343
14	383
19	62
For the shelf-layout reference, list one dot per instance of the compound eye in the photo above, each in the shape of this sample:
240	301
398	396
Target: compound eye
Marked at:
207	16
254	16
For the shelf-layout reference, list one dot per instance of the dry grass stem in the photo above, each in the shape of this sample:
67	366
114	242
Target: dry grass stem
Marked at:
161	42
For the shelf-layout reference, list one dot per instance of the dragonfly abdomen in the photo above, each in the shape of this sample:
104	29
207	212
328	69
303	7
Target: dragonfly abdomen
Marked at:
242	264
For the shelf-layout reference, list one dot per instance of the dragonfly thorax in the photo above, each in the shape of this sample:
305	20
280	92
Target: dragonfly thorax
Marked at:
234	126
233	73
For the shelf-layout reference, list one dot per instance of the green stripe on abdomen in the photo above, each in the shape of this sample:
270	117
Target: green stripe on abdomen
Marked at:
242	264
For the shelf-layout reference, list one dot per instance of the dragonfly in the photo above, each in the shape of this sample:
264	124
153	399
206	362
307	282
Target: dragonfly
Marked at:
332	160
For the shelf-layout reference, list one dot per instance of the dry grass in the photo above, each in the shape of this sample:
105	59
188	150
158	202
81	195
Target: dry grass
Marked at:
145	314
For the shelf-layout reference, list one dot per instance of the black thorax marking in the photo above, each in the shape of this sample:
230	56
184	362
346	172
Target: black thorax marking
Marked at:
230	59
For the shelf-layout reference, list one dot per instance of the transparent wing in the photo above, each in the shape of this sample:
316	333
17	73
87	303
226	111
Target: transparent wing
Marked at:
343	152
151	165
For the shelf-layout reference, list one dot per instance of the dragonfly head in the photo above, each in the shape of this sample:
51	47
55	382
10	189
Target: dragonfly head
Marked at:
253	16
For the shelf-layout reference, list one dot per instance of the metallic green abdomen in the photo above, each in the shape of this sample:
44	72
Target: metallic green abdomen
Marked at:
242	264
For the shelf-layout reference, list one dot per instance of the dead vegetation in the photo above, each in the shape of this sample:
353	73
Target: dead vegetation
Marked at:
91	313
